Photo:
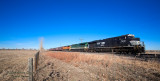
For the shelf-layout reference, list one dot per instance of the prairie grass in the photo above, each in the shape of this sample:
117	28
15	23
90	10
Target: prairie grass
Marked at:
102	59
78	57
110	66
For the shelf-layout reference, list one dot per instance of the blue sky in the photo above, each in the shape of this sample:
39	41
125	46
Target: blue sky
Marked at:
64	22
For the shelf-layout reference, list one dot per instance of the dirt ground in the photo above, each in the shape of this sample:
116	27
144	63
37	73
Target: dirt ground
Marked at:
77	66
14	64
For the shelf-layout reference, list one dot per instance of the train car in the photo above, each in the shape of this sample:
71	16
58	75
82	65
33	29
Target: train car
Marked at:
79	47
56	49
52	49
66	48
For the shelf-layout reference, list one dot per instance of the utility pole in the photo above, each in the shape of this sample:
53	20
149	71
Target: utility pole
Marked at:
81	40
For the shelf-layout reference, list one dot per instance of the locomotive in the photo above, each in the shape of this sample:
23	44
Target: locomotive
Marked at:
121	44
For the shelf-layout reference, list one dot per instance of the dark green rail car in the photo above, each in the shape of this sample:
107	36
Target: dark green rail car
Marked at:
79	47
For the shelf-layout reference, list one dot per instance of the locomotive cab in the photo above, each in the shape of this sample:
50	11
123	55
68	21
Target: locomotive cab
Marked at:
133	44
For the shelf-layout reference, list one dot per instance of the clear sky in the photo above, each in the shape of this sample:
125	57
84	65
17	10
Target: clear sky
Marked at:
64	22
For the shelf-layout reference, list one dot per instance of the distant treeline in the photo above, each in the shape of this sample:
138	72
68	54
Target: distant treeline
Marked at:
152	50
17	49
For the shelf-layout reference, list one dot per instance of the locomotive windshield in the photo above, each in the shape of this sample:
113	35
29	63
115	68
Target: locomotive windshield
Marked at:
133	42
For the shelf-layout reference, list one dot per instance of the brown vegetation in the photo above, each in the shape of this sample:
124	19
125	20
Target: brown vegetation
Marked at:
14	64
111	67
152	51
75	66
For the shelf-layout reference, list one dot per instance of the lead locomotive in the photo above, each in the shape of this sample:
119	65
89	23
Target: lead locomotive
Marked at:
122	44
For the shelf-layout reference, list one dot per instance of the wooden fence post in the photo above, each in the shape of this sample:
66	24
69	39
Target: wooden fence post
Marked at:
36	60
30	69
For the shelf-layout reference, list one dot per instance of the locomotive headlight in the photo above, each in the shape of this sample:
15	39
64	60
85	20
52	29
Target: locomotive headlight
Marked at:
123	41
135	42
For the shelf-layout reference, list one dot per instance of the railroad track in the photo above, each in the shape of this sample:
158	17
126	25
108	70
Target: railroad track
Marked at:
149	55
146	57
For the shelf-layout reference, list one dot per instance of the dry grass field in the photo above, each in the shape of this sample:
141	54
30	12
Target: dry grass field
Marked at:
77	66
14	64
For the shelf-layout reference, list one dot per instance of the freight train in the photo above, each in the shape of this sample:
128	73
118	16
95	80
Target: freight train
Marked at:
121	44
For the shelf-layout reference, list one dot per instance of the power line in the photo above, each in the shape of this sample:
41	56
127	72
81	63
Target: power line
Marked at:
81	40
